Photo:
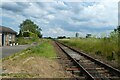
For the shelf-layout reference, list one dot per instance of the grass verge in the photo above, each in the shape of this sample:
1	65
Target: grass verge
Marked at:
106	48
44	49
35	61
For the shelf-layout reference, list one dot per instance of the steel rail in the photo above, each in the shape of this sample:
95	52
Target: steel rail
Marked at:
89	76
106	66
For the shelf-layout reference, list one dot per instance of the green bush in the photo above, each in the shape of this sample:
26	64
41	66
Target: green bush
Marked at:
32	35
29	34
22	40
26	34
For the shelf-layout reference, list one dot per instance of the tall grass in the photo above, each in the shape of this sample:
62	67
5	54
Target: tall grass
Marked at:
105	47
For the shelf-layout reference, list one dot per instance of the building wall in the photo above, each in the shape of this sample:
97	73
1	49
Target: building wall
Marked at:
7	39
13	38
0	39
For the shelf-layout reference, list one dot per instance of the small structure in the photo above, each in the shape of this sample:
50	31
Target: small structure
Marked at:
7	36
88	35
76	35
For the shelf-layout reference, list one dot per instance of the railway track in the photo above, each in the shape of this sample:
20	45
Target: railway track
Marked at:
84	65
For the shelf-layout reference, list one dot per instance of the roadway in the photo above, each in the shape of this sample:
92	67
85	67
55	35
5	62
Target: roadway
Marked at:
9	50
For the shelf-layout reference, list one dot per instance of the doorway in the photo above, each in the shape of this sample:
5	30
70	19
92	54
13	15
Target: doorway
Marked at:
3	38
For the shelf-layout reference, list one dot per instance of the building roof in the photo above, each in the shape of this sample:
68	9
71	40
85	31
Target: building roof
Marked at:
6	30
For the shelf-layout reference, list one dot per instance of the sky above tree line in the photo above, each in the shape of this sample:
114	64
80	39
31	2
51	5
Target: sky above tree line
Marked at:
62	18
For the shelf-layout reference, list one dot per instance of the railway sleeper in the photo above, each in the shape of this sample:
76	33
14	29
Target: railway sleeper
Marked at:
73	69
95	68
69	63
114	78
73	66
90	65
97	72
84	61
107	78
101	75
102	71
105	74
76	72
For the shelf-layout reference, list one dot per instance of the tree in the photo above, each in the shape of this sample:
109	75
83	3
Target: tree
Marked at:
20	34
30	26
26	34
61	37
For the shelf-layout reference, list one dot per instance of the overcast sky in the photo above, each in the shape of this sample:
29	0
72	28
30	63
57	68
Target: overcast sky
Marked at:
59	18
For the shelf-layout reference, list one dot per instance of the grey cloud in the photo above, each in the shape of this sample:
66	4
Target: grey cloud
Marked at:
62	7
80	19
14	7
80	28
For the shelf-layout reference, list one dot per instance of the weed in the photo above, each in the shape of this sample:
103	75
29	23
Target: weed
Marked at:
98	52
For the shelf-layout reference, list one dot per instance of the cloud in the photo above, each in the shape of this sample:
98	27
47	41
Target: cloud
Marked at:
63	18
57	31
14	7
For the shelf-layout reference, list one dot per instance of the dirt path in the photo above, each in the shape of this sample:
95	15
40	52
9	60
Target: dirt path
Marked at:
33	67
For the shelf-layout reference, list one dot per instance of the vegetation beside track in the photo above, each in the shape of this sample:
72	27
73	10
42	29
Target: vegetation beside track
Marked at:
45	49
42	49
36	61
107	48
